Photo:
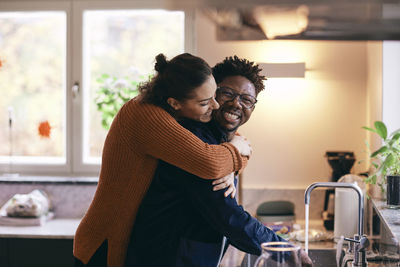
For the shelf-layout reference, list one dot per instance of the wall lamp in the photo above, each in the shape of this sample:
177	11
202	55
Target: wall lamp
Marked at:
283	70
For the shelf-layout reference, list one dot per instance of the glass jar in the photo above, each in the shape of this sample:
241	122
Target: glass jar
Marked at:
279	254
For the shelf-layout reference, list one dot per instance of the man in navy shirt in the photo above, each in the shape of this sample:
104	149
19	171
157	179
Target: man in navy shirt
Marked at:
182	221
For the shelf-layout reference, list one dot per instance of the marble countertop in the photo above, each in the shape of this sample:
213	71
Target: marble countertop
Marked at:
58	228
389	217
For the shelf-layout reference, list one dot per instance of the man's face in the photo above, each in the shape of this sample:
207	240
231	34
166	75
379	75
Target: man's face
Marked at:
232	113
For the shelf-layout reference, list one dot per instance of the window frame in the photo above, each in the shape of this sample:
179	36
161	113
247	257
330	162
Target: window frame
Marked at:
74	165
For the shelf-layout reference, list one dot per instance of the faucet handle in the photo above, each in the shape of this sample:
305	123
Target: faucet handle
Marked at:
362	243
352	240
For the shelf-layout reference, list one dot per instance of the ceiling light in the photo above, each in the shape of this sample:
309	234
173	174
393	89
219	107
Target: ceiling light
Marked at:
280	21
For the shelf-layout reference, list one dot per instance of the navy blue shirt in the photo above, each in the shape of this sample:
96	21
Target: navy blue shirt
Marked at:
181	220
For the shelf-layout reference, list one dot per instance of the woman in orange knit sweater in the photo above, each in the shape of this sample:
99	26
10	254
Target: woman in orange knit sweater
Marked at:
145	130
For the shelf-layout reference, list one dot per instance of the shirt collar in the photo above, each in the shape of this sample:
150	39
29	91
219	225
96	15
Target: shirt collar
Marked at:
219	133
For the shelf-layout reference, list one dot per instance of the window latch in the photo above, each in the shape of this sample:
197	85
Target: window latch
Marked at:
75	89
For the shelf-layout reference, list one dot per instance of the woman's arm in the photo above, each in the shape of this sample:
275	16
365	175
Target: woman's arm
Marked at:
152	130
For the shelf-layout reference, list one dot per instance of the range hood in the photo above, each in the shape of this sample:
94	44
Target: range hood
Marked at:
311	19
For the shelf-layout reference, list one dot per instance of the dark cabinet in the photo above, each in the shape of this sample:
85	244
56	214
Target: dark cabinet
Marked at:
25	252
3	253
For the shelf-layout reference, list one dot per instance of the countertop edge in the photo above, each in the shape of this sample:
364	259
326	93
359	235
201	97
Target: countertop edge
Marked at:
390	218
58	228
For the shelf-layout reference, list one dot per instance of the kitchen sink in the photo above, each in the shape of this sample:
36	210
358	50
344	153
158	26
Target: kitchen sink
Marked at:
323	257
327	258
320	258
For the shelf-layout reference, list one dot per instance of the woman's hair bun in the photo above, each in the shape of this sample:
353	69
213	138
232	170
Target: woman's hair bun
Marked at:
161	63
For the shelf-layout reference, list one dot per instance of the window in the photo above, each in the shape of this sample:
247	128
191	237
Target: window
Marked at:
53	63
122	44
32	75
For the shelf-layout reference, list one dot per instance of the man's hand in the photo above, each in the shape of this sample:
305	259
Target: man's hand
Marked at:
226	182
305	260
242	145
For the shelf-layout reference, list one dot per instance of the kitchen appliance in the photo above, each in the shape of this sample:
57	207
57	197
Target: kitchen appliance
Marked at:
346	207
341	163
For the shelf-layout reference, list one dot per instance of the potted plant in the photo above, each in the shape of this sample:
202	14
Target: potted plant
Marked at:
386	161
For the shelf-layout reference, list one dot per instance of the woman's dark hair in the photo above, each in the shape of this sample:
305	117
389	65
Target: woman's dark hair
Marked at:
176	78
234	66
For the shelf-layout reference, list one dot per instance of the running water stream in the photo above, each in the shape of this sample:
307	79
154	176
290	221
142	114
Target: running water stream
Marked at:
307	206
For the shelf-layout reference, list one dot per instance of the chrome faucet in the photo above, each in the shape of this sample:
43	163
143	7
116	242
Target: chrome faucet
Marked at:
360	241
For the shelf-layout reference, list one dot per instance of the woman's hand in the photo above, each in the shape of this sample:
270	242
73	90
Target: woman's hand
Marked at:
226	182
242	145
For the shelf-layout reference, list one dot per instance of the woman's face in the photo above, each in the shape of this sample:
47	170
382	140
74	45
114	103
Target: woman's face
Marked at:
201	105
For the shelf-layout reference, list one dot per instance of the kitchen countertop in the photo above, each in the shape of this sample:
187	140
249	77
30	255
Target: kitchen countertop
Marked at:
63	228
58	228
389	217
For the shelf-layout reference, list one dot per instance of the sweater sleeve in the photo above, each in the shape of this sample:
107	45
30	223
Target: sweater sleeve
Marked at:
224	214
156	133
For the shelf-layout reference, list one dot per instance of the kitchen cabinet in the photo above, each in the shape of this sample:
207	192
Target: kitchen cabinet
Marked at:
48	245
3	253
29	252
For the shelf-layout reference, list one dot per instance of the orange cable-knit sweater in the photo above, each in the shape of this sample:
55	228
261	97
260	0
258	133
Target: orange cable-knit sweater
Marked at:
139	136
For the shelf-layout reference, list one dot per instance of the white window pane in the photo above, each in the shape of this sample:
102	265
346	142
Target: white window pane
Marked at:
32	86
122	44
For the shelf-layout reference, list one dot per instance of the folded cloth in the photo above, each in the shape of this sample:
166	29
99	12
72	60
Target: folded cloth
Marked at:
33	204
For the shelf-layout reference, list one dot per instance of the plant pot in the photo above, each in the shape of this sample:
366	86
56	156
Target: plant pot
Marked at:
393	191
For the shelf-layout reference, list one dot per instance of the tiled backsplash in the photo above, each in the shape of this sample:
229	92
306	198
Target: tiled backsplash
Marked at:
71	197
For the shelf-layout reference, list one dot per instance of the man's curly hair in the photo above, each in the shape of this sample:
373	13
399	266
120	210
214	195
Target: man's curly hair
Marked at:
234	66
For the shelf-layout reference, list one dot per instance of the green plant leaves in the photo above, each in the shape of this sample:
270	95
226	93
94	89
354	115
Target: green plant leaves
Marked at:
388	156
369	129
379	151
375	165
389	160
113	93
396	137
372	179
395	132
381	129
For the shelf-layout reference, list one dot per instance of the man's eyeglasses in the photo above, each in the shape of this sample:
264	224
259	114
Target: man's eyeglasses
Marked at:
227	94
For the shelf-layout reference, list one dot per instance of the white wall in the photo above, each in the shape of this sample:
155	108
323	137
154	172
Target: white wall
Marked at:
297	120
391	84
374	91
374	102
